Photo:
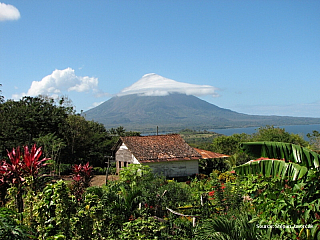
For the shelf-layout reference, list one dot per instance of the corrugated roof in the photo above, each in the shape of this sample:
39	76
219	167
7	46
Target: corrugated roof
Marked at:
160	148
208	155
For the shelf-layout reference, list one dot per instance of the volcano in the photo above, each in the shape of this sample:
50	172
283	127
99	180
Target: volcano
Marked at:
174	112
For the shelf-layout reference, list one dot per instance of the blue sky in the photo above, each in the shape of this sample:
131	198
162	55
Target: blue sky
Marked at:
260	57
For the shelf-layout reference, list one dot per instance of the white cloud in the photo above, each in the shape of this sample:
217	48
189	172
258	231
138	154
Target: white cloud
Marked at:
62	80
59	82
8	12
100	94
155	85
95	104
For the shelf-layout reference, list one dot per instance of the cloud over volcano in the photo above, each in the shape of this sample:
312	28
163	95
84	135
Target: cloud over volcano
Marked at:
155	85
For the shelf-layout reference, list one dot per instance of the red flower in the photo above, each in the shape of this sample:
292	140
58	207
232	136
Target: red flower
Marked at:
211	193
223	187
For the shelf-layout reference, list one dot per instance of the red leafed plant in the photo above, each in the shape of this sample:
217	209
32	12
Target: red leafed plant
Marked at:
82	175
3	182
26	165
14	168
32	162
19	167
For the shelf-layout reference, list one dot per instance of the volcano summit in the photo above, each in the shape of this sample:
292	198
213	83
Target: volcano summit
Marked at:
157	101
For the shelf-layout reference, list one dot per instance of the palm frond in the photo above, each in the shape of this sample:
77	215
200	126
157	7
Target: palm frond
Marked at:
229	227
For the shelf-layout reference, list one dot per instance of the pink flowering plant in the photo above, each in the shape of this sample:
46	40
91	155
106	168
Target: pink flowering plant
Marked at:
82	175
19	167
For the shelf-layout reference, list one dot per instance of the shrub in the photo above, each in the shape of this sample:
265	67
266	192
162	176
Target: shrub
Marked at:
136	173
19	168
142	228
10	228
82	175
99	170
53	211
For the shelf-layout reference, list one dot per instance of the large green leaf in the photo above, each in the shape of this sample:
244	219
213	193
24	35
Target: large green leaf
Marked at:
286	151
273	168
285	160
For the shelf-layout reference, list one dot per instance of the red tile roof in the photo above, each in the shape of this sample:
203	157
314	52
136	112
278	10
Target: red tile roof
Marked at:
207	154
160	148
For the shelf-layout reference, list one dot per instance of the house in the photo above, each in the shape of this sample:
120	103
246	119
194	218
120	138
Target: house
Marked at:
168	154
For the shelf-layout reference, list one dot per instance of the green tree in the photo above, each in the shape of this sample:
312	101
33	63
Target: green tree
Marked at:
276	134
76	134
31	117
1	97
52	146
228	145
86	141
66	136
100	144
314	139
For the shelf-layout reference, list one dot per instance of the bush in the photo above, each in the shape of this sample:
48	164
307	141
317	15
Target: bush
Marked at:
65	169
99	171
10	227
136	173
142	228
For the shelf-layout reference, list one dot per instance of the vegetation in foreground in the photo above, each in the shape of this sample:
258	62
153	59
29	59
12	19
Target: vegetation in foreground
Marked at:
260	201
268	205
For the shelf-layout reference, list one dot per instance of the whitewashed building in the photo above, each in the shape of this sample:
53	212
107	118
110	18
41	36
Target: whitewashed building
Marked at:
168	155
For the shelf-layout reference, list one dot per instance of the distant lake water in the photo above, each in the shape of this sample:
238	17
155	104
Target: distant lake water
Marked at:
302	130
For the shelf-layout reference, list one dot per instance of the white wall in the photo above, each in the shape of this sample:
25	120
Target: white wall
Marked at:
124	155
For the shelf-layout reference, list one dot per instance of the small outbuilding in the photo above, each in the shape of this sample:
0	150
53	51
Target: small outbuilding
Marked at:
210	161
168	155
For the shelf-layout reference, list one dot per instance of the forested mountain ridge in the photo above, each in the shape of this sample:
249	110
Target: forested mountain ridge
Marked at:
178	111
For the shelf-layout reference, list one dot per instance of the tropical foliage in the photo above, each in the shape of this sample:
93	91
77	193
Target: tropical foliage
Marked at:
283	159
287	191
65	136
278	198
314	138
221	205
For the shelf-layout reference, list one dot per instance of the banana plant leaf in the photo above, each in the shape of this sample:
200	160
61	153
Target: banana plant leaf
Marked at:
273	168
285	160
286	151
